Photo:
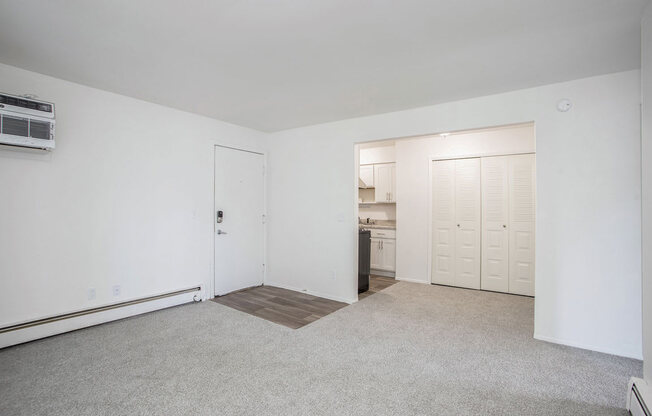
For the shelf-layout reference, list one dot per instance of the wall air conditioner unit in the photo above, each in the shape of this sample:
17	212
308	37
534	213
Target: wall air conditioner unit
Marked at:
639	397
26	122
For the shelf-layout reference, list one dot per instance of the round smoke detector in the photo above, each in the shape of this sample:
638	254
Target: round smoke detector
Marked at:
564	105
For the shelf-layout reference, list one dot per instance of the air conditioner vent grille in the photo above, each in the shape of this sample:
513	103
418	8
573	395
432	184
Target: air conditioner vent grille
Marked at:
39	129
15	126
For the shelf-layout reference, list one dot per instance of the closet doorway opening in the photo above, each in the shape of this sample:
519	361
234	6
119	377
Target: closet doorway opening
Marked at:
483	222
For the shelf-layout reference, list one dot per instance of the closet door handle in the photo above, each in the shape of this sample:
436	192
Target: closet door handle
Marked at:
504	226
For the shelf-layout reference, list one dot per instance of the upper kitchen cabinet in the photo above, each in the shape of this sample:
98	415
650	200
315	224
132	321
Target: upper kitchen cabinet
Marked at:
366	177
385	182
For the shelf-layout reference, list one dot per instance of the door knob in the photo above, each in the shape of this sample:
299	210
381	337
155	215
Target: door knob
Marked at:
458	225
219	232
504	226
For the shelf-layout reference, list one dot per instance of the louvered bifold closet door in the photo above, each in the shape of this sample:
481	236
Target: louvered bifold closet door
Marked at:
468	217
456	222
443	222
495	218
522	194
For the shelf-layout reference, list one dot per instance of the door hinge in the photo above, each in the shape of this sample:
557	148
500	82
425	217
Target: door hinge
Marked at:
264	219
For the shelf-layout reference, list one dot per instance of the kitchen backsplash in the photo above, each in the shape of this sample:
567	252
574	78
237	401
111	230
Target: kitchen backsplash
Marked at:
378	212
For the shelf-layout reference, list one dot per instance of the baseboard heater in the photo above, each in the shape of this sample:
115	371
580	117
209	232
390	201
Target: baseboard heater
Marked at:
96	309
639	397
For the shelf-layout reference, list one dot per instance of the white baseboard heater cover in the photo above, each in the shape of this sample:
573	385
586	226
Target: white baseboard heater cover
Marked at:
639	397
50	319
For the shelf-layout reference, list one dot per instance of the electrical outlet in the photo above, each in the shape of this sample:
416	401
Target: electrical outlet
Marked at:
116	290
91	293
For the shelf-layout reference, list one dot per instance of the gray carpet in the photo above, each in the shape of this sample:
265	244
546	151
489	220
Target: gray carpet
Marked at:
408	350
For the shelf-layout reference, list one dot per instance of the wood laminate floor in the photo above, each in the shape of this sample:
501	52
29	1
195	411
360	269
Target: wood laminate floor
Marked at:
376	284
290	308
281	306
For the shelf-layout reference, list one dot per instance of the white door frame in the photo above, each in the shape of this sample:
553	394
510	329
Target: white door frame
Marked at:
211	285
464	156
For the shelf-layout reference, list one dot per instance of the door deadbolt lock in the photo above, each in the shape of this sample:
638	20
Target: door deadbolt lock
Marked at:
220	216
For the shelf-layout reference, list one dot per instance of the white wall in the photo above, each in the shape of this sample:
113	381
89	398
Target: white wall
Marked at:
646	92
413	158
125	199
383	153
588	195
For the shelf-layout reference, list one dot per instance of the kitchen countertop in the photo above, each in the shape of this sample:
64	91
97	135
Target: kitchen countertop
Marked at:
379	225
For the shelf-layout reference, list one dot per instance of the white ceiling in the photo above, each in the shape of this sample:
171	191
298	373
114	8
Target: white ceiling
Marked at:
277	64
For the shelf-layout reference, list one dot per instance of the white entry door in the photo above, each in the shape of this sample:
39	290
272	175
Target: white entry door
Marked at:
239	233
495	218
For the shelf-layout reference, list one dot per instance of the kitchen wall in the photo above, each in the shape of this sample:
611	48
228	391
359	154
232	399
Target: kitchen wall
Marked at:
646	111
378	212
382	152
588	195
125	199
413	158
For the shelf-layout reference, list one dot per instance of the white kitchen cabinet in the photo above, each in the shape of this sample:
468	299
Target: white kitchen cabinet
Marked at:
366	176
385	182
388	255
376	253
383	250
392	178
